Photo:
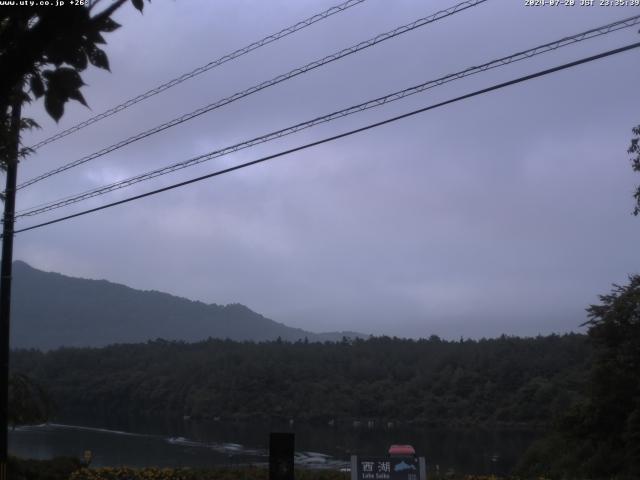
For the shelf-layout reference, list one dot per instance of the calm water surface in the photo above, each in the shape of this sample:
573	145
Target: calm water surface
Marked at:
206	444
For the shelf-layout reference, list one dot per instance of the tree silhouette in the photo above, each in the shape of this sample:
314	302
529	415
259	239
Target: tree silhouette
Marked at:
634	149
28	402
43	50
600	437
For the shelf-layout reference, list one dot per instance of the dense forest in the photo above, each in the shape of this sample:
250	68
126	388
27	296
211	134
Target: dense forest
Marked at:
506	381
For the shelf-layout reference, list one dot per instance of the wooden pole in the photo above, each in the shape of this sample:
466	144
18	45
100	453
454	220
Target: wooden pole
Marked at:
5	278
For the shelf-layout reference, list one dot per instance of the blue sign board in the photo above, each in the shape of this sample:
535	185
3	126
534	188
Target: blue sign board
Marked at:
388	468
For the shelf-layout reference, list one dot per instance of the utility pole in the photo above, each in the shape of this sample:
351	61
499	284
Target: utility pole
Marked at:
5	276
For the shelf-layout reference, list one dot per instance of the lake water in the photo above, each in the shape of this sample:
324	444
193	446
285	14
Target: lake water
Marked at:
206	444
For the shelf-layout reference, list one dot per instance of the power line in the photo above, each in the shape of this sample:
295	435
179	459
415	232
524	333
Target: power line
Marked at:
565	41
204	68
341	135
625	23
269	83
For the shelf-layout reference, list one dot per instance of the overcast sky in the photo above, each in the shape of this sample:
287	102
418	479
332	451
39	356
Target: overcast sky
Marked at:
506	213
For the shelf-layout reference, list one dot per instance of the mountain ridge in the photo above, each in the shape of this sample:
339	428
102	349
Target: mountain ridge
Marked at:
50	310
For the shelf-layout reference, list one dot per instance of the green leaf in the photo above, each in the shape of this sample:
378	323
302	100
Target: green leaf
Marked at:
98	58
139	4
25	152
28	124
94	37
108	25
62	84
54	105
56	52
37	87
77	95
25	97
68	78
77	59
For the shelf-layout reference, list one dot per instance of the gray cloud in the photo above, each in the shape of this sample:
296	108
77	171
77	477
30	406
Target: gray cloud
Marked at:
506	213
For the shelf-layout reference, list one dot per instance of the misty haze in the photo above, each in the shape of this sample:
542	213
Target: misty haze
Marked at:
366	240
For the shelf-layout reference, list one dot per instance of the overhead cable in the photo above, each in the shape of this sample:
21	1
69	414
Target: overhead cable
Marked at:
204	68
565	41
341	135
261	86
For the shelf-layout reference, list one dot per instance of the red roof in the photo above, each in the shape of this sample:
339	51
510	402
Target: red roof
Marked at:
404	450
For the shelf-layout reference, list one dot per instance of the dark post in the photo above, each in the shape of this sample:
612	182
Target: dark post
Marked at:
5	279
281	449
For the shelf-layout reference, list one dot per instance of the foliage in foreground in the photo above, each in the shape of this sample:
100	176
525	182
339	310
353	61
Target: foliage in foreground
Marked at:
57	469
152	473
126	473
634	149
71	469
43	52
28	402
600	438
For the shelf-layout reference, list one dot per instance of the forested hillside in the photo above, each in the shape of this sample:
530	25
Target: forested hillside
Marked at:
505	381
51	310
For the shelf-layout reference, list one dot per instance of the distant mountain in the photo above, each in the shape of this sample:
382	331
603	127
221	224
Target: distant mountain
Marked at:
50	310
